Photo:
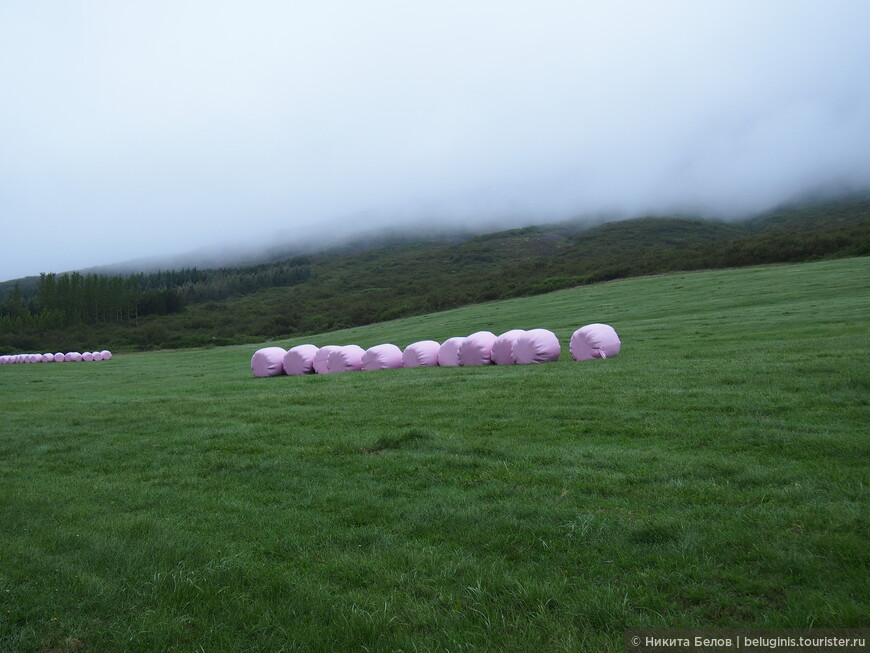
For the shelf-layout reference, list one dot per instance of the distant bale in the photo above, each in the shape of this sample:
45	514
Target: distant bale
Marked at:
594	341
322	357
72	357
98	355
300	359
59	358
503	345
476	349
536	346
88	356
448	354
48	358
106	354
347	358
421	354
268	361
382	357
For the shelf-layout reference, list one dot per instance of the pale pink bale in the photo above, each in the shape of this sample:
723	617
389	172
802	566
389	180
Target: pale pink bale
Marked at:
421	354
382	357
594	341
476	349
300	359
347	358
536	346
501	348
88	356
321	358
448	354
106	354
98	355
72	357
59	358
268	361
48	358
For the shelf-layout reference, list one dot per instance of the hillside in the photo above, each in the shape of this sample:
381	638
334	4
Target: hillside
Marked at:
385	277
714	474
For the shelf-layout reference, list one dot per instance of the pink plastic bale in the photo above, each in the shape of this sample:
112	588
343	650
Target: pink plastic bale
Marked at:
268	361
476	349
448	355
106	354
421	354
536	346
345	359
76	357
300	360
501	349
48	358
321	358
594	341
382	357
88	356
59	358
98	355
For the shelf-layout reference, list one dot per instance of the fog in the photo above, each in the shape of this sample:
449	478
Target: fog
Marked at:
154	129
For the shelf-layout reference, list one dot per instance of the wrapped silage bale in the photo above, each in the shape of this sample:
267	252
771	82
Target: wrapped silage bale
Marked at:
98	355
503	345
300	360
59	357
73	357
594	341
382	357
421	354
536	346
321	358
106	354
268	361
476	349
88	356
48	358
448	354
347	358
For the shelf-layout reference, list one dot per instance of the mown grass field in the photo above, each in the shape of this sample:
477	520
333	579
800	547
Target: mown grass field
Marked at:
714	474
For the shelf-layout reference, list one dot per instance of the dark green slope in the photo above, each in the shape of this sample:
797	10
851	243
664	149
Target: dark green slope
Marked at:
386	277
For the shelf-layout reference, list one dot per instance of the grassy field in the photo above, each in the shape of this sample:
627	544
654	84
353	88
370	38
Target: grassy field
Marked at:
714	474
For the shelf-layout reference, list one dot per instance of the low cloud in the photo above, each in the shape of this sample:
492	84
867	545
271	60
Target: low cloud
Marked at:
159	129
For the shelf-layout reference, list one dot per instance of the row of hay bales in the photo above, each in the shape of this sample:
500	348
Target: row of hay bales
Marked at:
59	357
481	348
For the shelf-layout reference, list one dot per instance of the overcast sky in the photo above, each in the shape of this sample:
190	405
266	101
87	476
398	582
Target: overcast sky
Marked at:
150	128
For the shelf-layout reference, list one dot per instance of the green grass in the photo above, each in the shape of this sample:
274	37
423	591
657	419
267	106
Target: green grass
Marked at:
714	474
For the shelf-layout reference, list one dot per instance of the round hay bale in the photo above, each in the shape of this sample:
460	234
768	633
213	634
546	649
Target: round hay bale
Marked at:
300	360
347	358
98	355
536	346
594	341
321	358
59	358
382	357
107	355
88	356
476	349
448	354
421	354
268	361
503	345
